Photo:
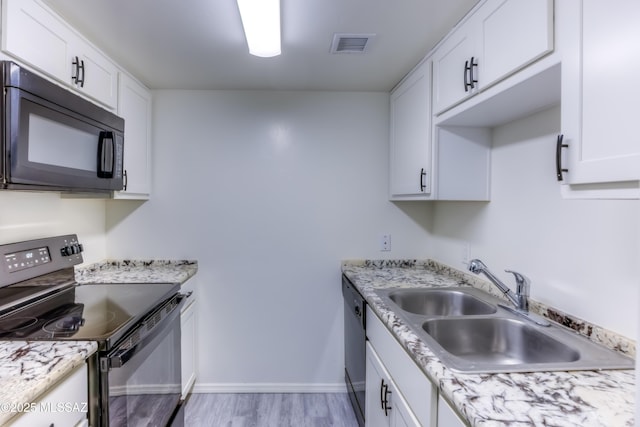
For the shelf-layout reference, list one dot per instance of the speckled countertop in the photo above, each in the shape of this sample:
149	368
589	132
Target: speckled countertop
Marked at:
578	398
137	271
28	369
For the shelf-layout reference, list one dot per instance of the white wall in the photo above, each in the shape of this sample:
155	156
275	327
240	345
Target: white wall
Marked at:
33	215
269	191
581	255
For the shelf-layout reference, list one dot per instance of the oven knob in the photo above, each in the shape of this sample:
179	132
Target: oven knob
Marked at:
66	251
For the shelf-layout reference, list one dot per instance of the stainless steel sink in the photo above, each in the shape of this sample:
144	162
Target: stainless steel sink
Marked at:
437	302
497	341
471	332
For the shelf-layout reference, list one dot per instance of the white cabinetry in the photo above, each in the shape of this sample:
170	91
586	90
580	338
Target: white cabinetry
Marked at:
410	136
188	337
599	99
450	164
72	392
35	35
134	105
447	416
385	406
496	40
412	394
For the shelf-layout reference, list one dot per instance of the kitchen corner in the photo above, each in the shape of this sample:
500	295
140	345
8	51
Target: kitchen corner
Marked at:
29	370
586	398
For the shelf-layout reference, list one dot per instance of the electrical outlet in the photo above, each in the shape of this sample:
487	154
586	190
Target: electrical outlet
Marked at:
385	243
465	253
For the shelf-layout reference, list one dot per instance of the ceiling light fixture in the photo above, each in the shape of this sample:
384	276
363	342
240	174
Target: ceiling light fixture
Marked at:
261	23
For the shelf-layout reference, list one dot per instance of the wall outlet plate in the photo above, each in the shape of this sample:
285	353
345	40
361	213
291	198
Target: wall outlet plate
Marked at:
385	243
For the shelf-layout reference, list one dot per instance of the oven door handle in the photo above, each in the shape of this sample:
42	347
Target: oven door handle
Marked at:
144	334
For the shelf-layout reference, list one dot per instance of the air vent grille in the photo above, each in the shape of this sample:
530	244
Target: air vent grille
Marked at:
351	43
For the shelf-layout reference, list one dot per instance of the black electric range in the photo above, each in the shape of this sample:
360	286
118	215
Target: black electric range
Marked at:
136	327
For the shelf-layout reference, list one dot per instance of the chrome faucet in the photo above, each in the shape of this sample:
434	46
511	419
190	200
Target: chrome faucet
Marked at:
520	299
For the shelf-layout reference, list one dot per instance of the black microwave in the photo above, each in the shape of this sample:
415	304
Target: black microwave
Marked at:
52	139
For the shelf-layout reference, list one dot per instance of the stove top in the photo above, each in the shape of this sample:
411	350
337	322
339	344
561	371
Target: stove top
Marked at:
40	300
92	312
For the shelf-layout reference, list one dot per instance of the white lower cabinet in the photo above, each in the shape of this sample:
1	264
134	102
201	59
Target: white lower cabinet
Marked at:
394	378
188	340
447	416
64	405
385	406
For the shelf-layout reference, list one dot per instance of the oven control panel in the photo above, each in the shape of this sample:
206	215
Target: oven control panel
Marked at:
25	260
20	260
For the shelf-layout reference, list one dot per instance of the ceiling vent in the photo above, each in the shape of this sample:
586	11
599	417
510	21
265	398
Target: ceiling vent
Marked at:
351	43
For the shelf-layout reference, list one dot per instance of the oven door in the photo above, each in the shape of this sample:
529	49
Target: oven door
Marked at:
141	377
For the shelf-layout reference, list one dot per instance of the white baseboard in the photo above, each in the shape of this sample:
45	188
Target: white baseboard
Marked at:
269	388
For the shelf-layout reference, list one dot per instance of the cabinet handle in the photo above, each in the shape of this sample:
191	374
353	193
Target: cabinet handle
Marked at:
126	180
387	408
382	393
423	174
559	147
466	75
472	80
469	80
78	77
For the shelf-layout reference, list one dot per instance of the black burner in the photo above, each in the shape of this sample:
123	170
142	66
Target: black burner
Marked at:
16	324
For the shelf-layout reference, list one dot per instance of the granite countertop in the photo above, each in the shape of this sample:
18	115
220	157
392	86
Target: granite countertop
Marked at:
578	398
137	271
28	369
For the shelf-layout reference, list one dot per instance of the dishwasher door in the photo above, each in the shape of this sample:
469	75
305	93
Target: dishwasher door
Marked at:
354	347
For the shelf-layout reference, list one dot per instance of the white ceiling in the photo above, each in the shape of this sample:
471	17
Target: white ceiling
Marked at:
199	44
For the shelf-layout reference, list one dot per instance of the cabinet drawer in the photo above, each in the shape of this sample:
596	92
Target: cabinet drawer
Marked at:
64	405
413	384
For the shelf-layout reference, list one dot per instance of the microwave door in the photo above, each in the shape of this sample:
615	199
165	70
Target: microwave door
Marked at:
54	147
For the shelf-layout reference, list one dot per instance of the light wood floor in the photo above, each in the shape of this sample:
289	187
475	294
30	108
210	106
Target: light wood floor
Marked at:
270	410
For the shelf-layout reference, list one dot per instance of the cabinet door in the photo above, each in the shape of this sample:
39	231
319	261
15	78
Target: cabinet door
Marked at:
446	416
32	33
134	105
100	75
410	138
599	92
449	68
188	350
385	406
377	379
513	33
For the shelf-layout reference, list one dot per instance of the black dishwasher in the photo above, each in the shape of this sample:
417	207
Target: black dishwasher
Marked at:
354	347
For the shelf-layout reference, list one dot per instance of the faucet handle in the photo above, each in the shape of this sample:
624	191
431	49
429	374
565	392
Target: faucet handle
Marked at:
522	282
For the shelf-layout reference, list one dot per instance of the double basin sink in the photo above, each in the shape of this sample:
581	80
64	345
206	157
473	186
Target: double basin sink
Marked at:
470	331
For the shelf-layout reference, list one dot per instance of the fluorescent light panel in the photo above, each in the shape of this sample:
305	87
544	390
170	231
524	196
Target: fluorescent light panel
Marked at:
261	22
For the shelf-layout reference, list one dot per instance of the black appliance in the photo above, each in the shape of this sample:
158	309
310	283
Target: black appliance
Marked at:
135	377
55	140
355	347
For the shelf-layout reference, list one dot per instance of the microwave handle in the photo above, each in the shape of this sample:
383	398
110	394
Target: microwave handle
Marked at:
106	154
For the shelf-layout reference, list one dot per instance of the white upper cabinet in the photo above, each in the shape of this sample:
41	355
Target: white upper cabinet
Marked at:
600	149
134	106
35	35
498	39
410	136
452	69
